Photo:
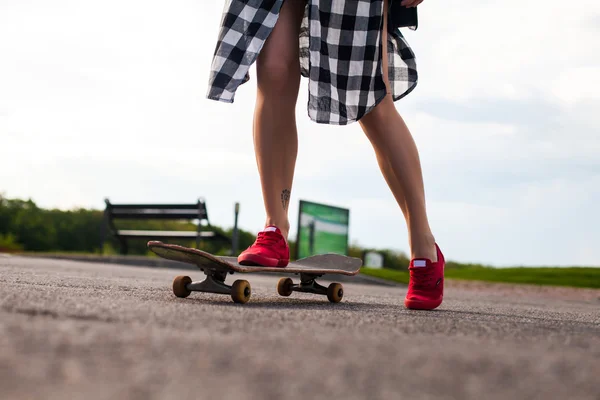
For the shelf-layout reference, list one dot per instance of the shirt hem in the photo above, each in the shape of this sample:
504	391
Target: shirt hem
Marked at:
222	100
354	120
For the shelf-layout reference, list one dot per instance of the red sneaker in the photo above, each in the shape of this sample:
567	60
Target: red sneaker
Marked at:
426	285
269	250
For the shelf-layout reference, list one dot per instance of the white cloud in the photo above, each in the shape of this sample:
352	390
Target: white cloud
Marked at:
505	50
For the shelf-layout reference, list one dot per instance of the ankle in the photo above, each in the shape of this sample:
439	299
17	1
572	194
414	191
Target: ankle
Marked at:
284	226
423	247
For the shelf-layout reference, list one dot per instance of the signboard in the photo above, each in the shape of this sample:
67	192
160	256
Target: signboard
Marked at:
373	259
321	229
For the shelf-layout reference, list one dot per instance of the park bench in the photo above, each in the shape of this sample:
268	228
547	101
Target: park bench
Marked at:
195	211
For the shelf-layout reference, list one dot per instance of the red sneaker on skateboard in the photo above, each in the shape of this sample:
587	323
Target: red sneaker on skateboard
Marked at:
269	250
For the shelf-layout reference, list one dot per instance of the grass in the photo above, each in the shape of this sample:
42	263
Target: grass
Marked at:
574	277
583	277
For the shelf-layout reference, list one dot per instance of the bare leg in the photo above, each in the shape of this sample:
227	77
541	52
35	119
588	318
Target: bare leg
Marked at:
398	159
275	133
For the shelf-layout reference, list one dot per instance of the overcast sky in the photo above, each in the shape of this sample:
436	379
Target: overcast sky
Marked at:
107	99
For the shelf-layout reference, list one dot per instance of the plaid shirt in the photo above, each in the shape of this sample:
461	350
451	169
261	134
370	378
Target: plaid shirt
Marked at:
339	54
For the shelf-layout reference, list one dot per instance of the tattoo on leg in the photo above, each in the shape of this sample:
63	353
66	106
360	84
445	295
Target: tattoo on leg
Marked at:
285	199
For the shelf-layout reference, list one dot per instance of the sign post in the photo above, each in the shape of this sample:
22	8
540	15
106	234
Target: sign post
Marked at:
235	235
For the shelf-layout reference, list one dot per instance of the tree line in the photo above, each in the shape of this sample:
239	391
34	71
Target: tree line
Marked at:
26	227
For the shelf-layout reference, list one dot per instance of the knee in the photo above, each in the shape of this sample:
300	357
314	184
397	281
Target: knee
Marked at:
278	75
378	116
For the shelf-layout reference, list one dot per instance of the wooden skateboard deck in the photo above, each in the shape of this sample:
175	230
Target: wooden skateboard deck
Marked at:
217	267
317	265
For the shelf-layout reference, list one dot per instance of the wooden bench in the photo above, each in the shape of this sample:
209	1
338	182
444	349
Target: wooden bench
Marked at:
196	211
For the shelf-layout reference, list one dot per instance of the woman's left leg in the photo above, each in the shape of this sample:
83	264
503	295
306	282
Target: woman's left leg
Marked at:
398	159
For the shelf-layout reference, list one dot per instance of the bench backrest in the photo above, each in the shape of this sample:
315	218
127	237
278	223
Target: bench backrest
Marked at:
157	211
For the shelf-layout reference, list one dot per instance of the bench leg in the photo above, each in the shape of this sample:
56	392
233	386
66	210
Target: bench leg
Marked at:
123	245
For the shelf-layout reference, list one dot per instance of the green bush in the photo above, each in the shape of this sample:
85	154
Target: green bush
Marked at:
8	243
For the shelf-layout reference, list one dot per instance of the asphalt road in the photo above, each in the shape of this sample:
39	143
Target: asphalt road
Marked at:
74	330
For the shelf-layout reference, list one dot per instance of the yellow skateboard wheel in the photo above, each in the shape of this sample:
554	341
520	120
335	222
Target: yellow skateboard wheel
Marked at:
241	291
335	292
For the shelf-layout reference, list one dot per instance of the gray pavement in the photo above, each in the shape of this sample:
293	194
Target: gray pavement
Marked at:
77	330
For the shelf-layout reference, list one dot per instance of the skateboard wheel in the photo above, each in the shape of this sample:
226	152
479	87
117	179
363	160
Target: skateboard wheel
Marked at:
335	292
180	286
284	286
240	291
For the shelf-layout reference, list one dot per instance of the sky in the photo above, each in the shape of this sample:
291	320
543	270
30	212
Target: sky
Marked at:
107	99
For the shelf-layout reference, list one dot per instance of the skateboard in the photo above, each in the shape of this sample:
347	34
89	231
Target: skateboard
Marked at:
216	269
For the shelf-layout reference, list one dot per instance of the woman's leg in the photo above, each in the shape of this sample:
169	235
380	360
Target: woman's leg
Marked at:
398	159
399	162
275	133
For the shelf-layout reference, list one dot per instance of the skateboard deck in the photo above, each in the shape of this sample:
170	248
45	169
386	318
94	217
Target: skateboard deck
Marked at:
216	269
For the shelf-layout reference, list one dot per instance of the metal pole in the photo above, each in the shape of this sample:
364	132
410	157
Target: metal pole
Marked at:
311	238
235	235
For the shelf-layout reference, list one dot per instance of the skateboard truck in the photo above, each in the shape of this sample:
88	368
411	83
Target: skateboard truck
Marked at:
214	282
308	284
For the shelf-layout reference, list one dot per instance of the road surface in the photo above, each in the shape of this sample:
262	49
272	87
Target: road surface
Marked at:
75	330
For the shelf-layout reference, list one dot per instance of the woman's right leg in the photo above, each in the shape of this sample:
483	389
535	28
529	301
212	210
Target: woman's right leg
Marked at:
275	133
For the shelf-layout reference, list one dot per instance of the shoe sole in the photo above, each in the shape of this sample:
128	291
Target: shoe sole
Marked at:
252	260
422	305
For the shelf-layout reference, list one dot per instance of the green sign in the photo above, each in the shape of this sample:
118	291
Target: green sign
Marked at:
321	229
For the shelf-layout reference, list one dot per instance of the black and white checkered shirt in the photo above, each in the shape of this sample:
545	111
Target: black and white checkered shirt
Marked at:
339	54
